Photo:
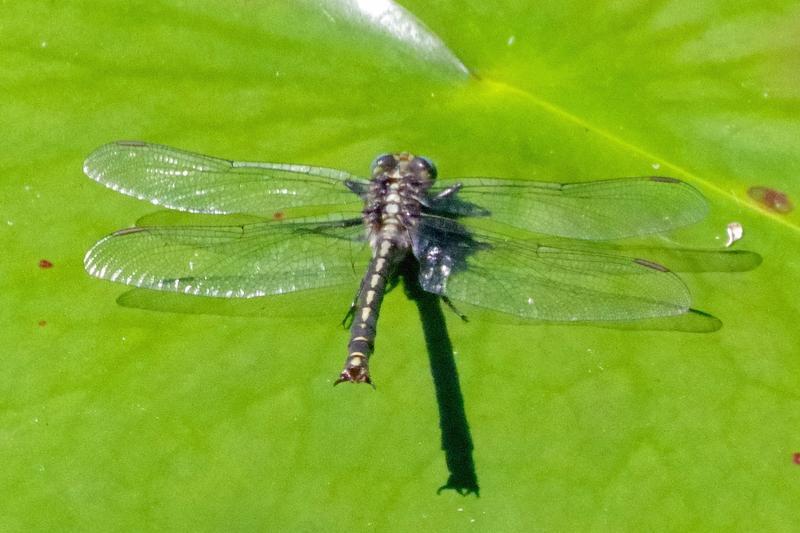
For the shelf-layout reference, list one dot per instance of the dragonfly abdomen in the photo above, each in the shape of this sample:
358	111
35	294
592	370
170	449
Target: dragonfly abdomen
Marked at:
367	309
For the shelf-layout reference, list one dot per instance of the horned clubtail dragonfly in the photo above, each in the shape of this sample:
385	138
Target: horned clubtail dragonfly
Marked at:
401	212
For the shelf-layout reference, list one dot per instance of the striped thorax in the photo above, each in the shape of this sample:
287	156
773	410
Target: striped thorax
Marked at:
393	205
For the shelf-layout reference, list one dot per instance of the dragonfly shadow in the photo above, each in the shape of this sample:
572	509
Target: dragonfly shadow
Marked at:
456	437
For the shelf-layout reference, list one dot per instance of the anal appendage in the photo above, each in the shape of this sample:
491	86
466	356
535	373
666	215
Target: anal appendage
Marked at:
355	370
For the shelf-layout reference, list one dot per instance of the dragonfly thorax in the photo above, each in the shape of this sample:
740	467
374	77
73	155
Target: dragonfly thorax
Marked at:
397	190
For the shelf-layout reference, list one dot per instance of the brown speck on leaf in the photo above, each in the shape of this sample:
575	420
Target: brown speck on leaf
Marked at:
771	199
44	263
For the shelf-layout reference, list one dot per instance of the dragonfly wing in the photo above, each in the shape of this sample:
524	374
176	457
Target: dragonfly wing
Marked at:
596	210
186	181
442	246
233	261
676	259
534	281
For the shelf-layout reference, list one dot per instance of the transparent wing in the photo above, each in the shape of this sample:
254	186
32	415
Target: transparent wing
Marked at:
233	261
596	210
201	184
540	282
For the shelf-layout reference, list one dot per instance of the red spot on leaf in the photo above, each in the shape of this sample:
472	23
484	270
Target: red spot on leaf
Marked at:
771	199
278	215
44	263
796	458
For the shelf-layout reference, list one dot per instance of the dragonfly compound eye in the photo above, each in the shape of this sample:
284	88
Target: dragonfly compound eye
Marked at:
383	163
421	165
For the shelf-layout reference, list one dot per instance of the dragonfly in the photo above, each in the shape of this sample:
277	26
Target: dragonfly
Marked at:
313	227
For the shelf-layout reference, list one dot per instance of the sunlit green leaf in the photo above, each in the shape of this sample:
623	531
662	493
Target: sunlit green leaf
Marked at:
118	417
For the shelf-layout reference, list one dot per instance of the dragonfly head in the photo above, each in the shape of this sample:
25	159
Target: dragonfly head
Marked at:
405	163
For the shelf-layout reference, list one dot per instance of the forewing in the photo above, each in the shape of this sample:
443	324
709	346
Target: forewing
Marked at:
233	261
186	181
596	210
539	282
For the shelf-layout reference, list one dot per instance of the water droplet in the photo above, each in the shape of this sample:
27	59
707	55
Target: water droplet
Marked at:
735	232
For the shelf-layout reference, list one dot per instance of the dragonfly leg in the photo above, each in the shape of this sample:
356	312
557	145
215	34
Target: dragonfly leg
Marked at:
454	309
347	321
450	191
358	188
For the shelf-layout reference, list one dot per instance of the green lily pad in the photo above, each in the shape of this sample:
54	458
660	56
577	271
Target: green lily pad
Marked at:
117	417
